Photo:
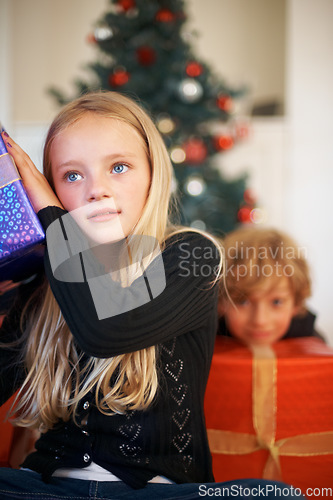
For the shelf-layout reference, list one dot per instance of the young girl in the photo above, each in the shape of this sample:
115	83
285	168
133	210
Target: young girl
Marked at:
116	394
268	280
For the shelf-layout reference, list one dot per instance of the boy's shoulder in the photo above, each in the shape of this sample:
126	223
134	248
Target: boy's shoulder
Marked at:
303	326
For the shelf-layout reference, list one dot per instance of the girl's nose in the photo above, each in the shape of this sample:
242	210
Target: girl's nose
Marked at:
98	189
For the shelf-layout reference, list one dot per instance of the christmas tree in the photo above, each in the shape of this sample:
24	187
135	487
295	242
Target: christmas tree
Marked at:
144	51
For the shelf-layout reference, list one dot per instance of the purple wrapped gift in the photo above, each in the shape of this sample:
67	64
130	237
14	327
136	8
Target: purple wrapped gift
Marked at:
21	233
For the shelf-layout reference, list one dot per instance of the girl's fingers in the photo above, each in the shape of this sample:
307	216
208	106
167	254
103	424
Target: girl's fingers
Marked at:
21	159
37	187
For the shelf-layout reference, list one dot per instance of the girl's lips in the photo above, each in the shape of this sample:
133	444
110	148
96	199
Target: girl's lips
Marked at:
103	215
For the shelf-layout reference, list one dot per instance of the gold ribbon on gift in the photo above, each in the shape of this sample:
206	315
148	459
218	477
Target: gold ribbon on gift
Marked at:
264	422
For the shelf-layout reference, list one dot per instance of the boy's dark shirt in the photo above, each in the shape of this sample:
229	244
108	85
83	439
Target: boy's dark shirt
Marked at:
300	326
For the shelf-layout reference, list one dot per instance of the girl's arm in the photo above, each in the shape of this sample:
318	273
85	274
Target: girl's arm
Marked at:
37	187
187	303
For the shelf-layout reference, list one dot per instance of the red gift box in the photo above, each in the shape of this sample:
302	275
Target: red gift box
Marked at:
15	442
269	414
21	233
6	434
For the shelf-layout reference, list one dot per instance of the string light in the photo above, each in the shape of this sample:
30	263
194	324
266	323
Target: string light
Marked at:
177	155
190	90
195	186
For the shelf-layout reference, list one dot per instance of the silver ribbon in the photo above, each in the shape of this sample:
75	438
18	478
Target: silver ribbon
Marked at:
8	171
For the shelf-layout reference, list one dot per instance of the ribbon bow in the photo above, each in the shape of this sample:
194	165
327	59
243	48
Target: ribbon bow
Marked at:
264	374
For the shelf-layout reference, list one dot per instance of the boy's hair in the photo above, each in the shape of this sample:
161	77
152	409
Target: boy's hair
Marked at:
254	255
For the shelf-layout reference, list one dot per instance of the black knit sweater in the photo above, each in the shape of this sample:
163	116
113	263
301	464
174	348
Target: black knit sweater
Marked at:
169	438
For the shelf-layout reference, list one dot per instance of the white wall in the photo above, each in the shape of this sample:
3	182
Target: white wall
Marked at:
5	73
49	47
310	155
244	41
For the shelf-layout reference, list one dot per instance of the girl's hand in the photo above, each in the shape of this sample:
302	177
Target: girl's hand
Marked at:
37	187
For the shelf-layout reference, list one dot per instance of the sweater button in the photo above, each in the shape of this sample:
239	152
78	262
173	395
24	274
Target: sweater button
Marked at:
86	457
86	405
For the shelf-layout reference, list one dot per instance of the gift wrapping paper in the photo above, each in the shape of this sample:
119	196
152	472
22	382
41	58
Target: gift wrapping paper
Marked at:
269	412
6	434
21	233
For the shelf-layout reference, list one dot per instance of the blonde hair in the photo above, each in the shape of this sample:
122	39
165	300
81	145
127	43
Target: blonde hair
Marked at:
254	255
56	379
154	218
57	376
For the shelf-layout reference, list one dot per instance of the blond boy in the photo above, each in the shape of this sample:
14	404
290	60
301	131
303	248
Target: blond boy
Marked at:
267	282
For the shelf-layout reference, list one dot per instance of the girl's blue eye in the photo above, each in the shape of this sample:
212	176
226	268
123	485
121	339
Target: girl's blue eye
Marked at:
277	302
72	176
120	168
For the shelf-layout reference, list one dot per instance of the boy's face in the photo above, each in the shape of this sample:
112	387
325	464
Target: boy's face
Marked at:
264	316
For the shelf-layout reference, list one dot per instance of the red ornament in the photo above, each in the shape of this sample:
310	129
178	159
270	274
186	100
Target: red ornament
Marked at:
244	214
146	55
193	69
126	4
195	151
91	38
119	78
224	102
165	16
223	142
